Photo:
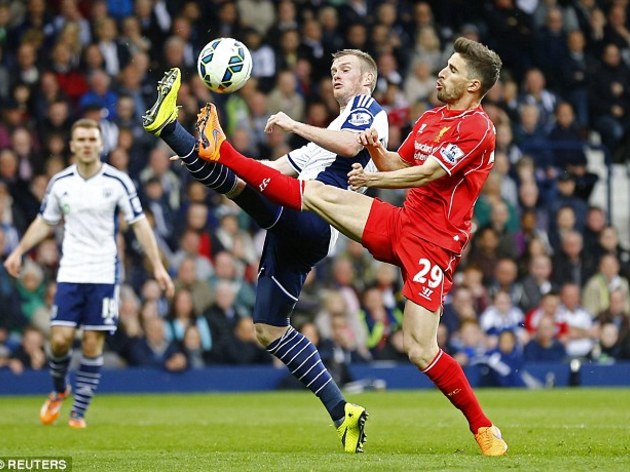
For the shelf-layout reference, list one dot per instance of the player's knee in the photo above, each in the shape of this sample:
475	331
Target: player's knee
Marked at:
266	334
59	344
419	355
314	191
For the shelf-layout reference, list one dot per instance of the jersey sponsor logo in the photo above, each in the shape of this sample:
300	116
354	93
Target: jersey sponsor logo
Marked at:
441	133
359	118
422	151
451	153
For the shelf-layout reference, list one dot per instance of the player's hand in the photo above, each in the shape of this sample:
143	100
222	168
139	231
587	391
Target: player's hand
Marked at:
165	281
280	120
369	139
357	177
13	264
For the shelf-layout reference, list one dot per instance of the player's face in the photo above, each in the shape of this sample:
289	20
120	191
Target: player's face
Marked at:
347	78
452	80
86	145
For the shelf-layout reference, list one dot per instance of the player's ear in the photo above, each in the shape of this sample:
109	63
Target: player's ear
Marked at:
368	79
474	86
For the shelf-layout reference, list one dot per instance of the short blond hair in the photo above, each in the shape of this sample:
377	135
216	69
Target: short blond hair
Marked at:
368	64
85	123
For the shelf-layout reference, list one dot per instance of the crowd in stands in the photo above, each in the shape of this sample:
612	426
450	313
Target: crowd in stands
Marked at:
544	279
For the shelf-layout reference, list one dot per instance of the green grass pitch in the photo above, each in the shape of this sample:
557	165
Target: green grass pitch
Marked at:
556	430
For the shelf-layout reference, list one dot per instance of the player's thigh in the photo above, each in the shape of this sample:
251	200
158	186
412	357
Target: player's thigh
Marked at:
276	296
347	211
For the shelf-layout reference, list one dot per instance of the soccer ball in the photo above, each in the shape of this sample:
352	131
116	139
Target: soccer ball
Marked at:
224	65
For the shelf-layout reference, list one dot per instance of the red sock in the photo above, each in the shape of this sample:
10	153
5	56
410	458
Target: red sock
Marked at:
279	188
449	377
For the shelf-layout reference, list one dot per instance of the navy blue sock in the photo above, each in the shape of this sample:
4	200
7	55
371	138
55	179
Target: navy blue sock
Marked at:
88	378
59	371
212	175
263	211
303	360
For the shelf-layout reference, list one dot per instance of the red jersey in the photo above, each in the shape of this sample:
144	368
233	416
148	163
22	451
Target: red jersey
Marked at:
463	144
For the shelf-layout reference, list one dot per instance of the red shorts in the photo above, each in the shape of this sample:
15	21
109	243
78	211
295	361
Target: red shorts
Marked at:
427	269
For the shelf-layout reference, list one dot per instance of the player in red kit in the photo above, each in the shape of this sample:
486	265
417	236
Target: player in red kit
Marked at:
444	162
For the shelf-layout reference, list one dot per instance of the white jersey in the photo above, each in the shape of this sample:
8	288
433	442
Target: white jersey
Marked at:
313	162
89	209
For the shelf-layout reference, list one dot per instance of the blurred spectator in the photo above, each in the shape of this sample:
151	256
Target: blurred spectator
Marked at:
549	307
380	322
189	244
506	280
568	262
115	52
616	30
222	317
196	356
510	34
608	243
284	97
564	222
472	279
200	291
504	363
484	252
550	48
132	35
597	290
312	48
537	282
328	18
502	315
595	223
544	347
420	82
531	136
154	349
609	99
227	269
579	321
574	76
457	309
335	305
469	343
243	348
263	58
31	288
30	354
182	315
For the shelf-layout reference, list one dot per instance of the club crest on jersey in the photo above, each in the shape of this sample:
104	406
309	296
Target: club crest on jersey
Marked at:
441	133
451	153
107	192
359	118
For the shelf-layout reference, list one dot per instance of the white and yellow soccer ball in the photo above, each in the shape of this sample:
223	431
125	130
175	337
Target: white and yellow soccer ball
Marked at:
224	65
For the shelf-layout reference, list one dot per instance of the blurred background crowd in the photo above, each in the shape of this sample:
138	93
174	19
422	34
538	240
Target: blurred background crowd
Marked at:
545	278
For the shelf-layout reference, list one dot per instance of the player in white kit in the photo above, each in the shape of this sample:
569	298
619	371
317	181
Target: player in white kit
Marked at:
87	197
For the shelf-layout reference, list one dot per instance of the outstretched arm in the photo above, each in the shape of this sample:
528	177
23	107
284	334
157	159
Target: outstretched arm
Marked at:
36	232
144	234
340	142
383	159
408	177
